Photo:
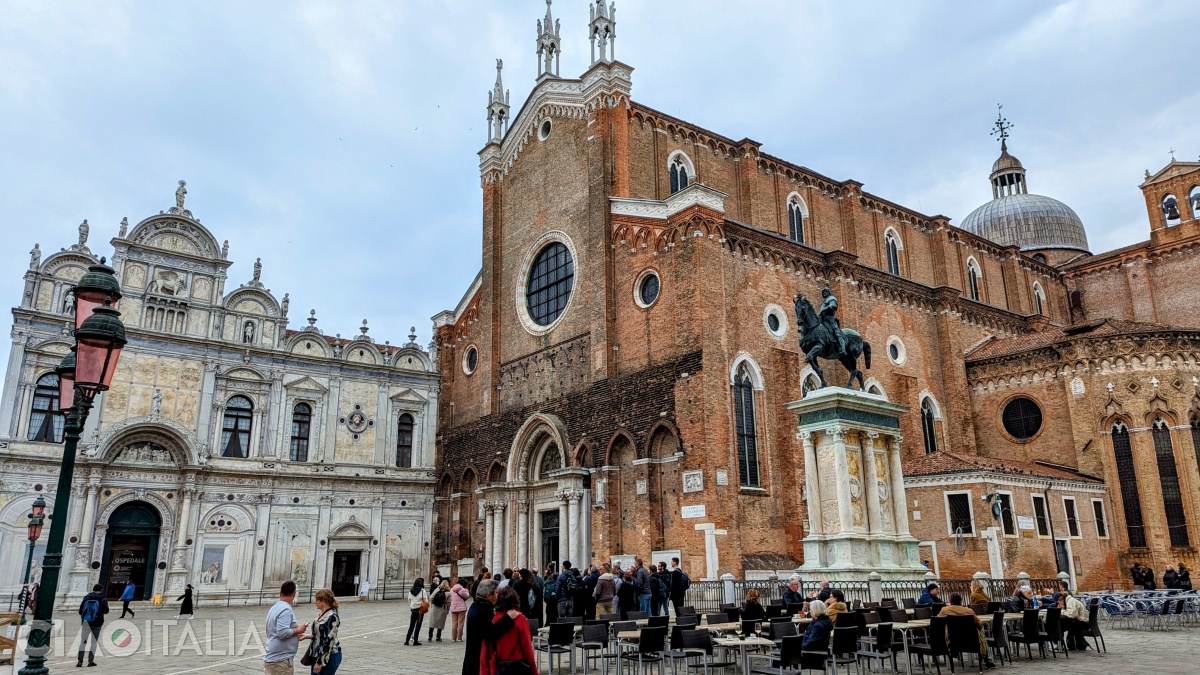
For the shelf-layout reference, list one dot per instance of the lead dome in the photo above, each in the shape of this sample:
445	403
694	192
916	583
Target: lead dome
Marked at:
1016	218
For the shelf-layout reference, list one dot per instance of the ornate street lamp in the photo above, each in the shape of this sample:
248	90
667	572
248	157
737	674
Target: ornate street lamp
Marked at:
37	516
84	372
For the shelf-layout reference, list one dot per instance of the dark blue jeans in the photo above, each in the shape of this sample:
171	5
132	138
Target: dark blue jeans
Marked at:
331	668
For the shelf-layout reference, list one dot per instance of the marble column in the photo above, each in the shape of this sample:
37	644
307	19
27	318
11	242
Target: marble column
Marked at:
505	543
812	481
564	552
488	536
498	534
574	549
523	534
867	440
899	500
842	476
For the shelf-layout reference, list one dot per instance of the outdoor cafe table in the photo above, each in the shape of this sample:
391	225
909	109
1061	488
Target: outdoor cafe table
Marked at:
630	637
742	644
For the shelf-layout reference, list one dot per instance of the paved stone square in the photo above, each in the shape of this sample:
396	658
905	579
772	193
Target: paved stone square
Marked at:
373	642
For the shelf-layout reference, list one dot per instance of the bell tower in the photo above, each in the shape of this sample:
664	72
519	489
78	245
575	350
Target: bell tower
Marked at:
497	108
549	44
603	29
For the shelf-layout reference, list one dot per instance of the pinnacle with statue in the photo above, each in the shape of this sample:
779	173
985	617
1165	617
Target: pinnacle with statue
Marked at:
822	337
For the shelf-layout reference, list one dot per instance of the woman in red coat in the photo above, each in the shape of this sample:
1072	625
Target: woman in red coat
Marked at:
510	640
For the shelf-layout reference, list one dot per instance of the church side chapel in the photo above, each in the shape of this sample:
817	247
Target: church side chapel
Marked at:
619	373
232	452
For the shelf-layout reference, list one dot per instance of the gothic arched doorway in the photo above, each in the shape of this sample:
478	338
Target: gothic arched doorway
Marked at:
131	550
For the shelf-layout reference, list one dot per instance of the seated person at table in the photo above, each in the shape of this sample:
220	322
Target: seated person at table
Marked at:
836	605
955	608
1023	599
978	595
931	596
754	610
824	592
791	594
816	636
1074	619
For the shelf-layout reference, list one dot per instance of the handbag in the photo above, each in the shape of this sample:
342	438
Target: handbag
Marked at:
513	668
308	659
424	607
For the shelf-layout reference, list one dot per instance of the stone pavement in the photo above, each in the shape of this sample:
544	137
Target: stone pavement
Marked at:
228	640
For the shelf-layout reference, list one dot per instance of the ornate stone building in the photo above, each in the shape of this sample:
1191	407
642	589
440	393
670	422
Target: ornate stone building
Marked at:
617	375
231	452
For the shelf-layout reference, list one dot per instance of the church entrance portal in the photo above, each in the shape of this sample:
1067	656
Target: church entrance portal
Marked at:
345	572
131	550
549	537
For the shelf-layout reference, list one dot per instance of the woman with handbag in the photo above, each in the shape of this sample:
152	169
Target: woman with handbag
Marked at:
509	649
418	602
324	653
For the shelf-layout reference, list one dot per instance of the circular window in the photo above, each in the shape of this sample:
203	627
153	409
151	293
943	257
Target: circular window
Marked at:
1022	418
775	321
551	277
470	360
895	350
648	287
544	130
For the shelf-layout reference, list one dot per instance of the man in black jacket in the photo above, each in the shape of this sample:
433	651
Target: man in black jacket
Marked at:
91	613
677	586
479	624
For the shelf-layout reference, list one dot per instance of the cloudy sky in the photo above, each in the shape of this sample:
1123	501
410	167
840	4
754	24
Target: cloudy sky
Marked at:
337	140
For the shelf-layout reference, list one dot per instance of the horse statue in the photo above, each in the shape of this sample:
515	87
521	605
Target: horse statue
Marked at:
818	340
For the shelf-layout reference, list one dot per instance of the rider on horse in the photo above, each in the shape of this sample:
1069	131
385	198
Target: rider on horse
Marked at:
828	314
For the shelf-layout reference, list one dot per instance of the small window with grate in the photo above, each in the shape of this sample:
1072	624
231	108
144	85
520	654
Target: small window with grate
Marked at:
1039	516
1022	418
1101	521
1007	519
958	513
1072	516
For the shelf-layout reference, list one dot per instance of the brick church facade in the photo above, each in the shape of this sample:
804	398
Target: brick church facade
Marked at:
615	379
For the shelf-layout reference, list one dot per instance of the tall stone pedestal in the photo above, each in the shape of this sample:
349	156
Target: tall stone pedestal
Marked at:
854	485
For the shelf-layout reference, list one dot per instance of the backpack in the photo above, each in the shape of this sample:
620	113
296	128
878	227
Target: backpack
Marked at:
550	590
531	598
439	599
687	581
91	610
570	586
658	588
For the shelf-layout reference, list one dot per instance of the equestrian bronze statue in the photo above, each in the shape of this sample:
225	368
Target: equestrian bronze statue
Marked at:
822	337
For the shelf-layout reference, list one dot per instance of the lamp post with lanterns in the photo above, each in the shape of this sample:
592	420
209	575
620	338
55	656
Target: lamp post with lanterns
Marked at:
85	372
37	516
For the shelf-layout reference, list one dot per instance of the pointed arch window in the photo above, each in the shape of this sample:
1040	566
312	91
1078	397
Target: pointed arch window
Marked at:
45	424
929	426
235	428
796	219
1196	437
1168	476
747	437
404	441
973	278
301	424
680	175
891	245
1127	477
1039	299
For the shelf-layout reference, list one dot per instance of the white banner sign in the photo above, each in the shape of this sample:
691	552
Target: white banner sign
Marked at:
695	511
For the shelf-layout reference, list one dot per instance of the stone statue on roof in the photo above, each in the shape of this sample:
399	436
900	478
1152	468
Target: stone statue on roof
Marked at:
180	194
257	270
83	233
35	257
124	228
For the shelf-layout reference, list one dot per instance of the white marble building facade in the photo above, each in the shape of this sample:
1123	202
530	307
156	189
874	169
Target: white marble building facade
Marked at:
231	452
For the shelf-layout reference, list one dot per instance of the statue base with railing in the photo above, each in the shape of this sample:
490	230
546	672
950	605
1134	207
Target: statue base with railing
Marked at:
854	487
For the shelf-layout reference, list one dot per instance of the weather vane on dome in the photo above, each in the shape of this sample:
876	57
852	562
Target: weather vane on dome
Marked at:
1002	126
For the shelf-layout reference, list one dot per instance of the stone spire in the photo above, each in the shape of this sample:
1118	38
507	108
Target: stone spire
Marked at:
603	29
498	107
549	45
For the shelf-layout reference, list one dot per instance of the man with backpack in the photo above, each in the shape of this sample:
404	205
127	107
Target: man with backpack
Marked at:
91	614
679	585
660	591
566	588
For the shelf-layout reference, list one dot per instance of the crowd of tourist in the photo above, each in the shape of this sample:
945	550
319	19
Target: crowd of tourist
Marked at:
1143	578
